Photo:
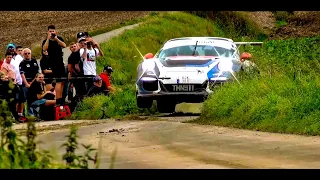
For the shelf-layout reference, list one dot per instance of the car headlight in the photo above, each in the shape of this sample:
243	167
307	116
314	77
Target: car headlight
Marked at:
148	65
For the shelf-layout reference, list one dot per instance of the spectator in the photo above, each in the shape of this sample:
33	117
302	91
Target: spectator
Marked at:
15	62
54	45
39	96
96	87
7	69
105	75
74	70
28	69
46	69
82	35
247	65
19	54
11	47
89	55
9	97
81	44
9	72
17	51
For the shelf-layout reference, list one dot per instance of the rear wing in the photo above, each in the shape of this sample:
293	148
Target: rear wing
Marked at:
249	43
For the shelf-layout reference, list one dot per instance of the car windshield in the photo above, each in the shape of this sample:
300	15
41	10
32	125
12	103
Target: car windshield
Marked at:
201	50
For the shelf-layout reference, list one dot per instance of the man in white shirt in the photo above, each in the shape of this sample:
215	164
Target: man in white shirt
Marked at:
89	53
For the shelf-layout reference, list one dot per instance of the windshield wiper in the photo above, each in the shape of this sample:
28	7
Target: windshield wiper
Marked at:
194	50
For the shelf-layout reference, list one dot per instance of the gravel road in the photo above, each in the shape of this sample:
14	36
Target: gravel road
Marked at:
172	144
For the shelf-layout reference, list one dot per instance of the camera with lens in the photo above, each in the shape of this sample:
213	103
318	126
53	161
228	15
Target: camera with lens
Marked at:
53	35
89	43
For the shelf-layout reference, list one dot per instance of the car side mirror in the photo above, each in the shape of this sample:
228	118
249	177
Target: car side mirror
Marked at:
148	56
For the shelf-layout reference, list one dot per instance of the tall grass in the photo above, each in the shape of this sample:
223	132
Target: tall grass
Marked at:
285	98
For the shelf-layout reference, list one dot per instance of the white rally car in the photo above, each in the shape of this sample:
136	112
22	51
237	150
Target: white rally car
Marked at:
185	69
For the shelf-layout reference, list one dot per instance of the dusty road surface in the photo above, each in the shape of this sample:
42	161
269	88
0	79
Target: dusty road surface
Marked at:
170	143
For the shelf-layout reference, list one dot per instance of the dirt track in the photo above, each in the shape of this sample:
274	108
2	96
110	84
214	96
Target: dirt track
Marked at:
172	144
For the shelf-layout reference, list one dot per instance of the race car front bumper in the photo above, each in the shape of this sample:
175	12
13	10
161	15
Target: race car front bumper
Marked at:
187	97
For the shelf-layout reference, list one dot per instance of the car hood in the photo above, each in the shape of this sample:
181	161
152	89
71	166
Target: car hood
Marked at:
187	61
184	69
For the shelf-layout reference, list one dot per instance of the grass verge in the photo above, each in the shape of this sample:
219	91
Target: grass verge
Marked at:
284	99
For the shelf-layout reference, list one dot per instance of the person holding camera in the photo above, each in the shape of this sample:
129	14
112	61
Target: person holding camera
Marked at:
54	44
89	53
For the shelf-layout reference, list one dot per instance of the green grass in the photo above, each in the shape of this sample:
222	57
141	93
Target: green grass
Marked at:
117	105
284	99
281	23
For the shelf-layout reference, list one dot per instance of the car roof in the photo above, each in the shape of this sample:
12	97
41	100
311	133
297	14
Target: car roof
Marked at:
210	41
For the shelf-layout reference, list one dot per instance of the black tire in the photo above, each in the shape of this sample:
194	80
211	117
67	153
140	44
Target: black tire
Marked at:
144	102
166	106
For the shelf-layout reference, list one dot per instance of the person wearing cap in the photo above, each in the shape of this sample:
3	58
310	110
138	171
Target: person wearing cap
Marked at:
247	65
89	54
82	35
105	75
11	47
96	87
